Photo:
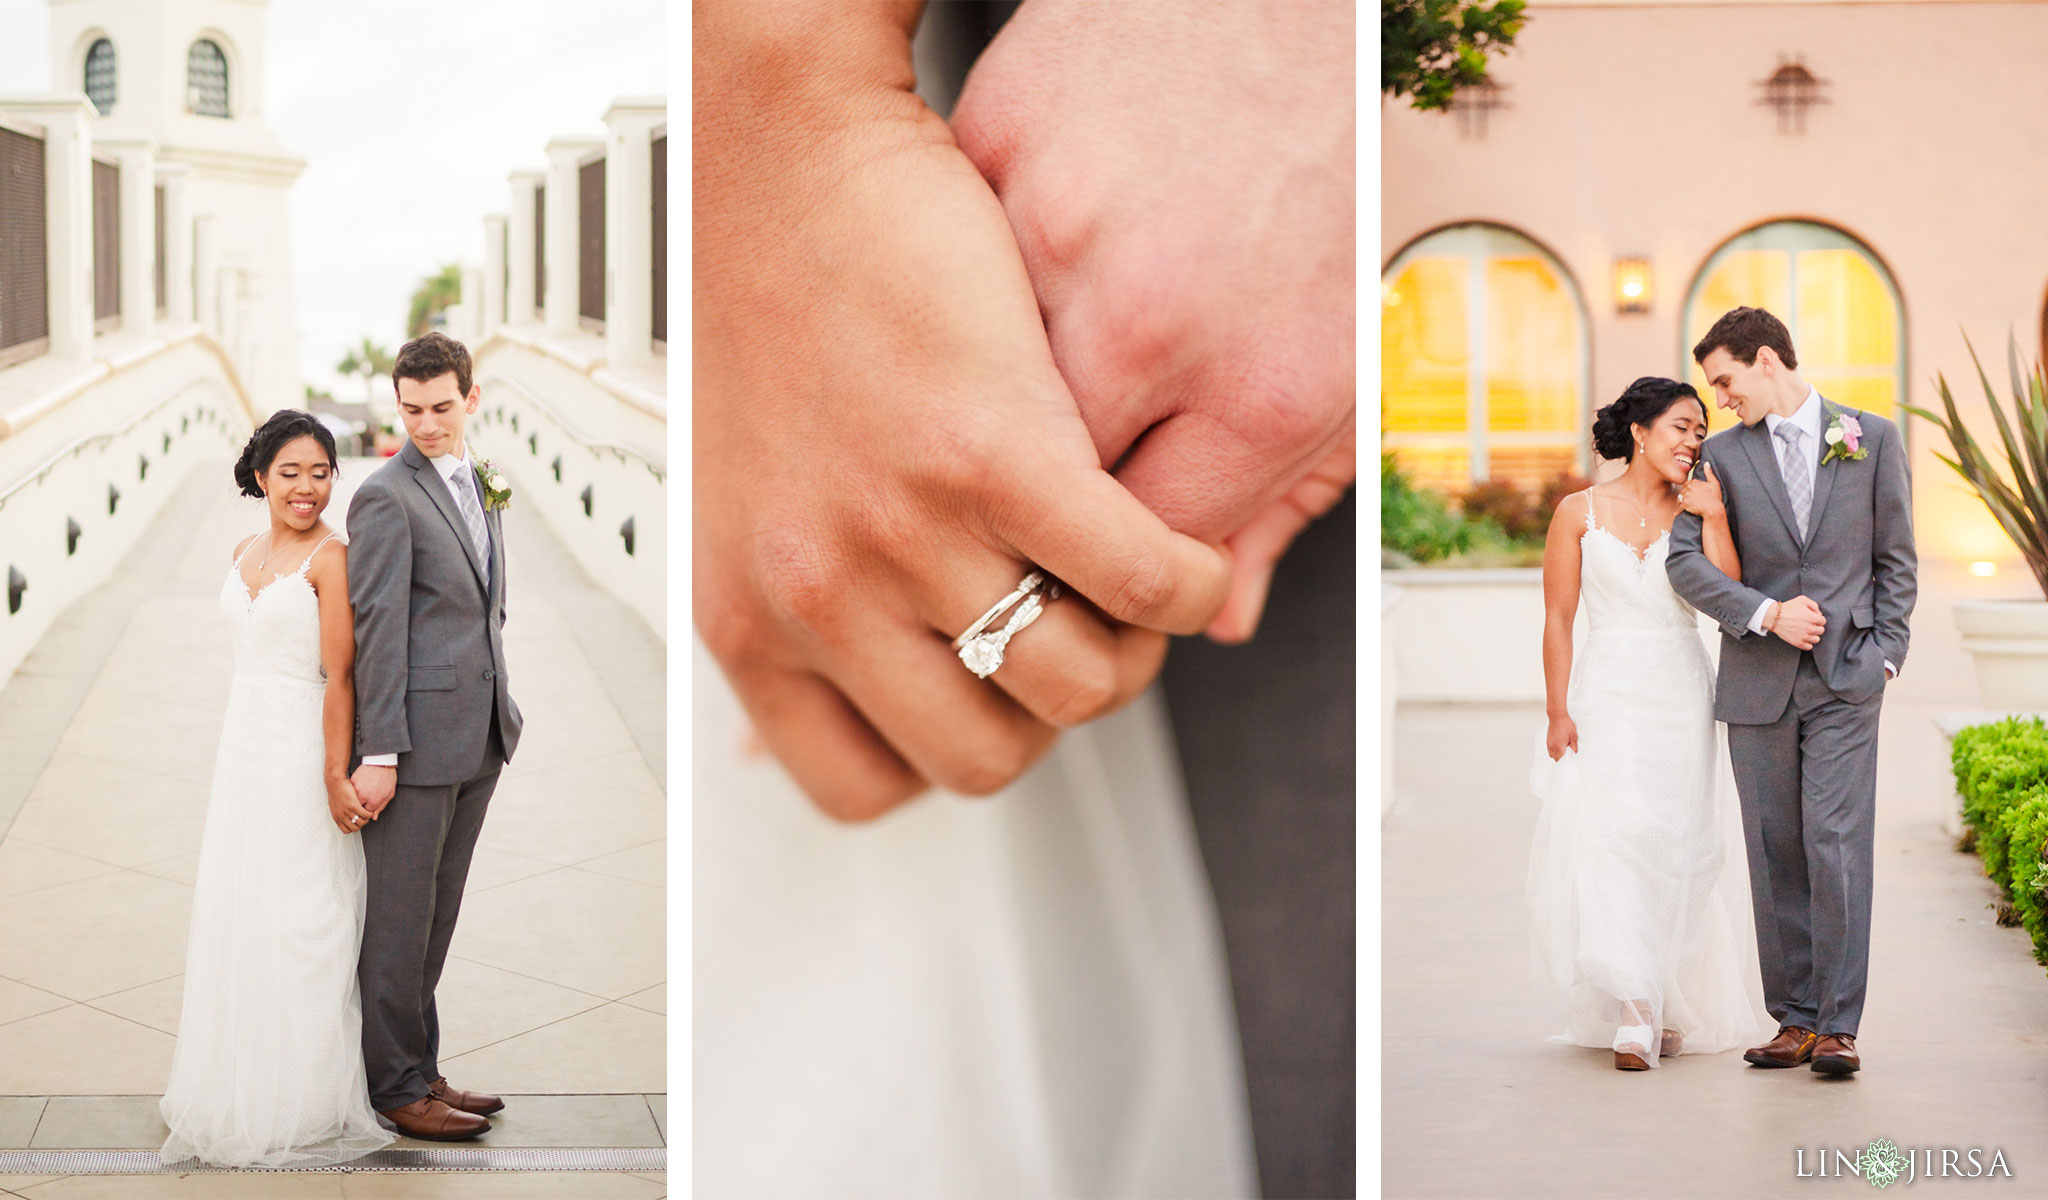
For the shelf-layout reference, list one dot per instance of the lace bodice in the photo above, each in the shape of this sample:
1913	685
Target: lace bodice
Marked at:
277	631
1625	590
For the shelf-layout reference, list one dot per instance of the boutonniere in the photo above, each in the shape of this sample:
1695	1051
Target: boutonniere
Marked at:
497	491
1844	438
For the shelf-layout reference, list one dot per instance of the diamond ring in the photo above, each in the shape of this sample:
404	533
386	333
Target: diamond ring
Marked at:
981	649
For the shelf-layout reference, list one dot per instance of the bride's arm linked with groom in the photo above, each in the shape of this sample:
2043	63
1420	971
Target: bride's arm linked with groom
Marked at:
1100	326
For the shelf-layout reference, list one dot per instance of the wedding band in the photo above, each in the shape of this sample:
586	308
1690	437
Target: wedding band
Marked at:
981	651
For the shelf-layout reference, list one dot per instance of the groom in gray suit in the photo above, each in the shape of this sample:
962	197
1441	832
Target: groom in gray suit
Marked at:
1821	508
434	724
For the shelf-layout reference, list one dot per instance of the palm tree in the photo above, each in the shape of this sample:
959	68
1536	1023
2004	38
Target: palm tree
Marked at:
434	293
368	360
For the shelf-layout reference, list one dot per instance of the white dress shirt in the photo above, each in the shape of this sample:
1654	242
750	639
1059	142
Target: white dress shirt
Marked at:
447	465
1807	419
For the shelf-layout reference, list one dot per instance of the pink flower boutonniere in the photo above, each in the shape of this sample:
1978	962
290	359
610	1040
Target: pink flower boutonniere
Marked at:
1845	439
497	492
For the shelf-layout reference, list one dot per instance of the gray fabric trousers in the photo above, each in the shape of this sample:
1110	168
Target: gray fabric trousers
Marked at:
417	853
1808	783
1266	733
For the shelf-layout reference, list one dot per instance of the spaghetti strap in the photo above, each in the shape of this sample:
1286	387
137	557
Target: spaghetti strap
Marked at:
1590	522
248	546
316	549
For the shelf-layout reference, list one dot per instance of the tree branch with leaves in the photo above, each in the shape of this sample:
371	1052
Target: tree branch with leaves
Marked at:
1431	49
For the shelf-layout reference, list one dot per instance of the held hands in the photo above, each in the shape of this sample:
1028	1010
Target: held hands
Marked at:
1563	736
374	787
1183	196
1702	496
346	808
883	442
1798	621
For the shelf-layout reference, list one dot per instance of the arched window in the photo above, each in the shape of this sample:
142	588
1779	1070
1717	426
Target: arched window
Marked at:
206	79
1483	360
1837	299
99	76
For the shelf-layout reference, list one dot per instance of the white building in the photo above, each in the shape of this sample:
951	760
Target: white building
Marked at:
567	321
146	307
186	77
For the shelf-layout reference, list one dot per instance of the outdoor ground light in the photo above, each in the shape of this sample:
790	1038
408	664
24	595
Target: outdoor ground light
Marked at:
1632	285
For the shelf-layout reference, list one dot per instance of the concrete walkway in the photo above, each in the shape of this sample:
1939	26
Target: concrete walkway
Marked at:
1476	1104
555	990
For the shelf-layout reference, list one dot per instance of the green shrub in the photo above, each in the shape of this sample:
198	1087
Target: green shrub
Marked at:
2001	772
1418	523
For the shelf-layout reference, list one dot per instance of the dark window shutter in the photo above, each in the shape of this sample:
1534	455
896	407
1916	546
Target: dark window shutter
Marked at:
660	308
206	79
99	76
106	241
590	240
24	248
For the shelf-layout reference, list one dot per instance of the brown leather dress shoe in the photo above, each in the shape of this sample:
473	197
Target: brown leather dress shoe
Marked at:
431	1120
1835	1054
470	1102
1792	1046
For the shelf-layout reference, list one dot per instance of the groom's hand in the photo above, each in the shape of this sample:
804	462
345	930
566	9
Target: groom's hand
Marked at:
375	786
1799	621
1183	194
881	437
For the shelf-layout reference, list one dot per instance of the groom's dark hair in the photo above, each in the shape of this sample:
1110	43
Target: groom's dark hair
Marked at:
1742	332
430	356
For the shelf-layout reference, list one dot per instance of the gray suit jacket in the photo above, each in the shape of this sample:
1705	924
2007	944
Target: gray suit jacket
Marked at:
1857	563
430	652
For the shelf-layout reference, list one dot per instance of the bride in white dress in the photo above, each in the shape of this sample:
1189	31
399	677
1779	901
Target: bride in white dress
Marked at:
1022	995
268	1070
1637	883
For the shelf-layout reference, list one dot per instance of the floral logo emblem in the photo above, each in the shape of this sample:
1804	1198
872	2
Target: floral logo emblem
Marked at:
1882	1163
1845	440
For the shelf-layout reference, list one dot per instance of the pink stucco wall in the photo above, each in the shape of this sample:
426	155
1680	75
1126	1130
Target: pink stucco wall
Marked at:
1634	129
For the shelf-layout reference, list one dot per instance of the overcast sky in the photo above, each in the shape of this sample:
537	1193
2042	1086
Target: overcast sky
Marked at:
409	114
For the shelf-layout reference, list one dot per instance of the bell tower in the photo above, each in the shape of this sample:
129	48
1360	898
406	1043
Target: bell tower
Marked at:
188	76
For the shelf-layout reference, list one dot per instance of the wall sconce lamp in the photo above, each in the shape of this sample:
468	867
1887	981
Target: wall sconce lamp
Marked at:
1632	285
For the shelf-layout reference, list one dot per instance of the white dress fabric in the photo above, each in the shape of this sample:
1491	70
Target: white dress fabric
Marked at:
1638	884
1023	995
268	1070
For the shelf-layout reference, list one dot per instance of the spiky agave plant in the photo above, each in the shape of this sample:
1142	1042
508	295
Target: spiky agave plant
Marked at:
2021	506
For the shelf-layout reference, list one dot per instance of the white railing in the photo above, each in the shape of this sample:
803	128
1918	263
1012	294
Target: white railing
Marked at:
104	452
600	480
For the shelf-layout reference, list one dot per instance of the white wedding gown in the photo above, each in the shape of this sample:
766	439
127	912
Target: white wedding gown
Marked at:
1638	884
1016	996
268	1070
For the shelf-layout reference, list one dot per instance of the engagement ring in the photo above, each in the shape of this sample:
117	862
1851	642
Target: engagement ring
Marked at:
982	651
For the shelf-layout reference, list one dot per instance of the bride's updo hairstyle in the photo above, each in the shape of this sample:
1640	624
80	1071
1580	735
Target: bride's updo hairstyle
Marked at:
1645	400
273	435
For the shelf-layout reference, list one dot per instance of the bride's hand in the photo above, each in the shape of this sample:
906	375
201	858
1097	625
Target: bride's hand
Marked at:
882	440
345	808
1563	736
1702	496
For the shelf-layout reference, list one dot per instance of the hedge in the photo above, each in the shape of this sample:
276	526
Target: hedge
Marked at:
2002	774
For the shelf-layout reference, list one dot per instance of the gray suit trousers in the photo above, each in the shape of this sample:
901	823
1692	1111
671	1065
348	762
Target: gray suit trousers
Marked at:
417	853
1809	833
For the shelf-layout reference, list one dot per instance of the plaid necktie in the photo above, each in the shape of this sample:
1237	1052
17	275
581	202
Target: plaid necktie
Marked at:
1798	475
463	484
